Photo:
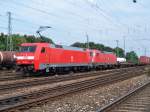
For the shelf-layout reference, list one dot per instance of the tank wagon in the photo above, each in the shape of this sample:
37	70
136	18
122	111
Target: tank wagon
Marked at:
7	59
121	60
45	57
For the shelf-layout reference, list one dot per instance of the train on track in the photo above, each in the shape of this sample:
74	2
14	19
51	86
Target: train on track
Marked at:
50	58
45	57
144	60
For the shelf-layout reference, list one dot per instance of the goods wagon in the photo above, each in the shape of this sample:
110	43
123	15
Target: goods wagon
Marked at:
144	60
121	60
7	59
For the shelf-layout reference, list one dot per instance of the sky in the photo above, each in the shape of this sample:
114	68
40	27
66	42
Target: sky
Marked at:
104	21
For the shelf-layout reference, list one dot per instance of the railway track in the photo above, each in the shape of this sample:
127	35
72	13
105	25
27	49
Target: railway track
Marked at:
137	100
49	80
7	78
10	75
7	71
29	99
6	75
19	76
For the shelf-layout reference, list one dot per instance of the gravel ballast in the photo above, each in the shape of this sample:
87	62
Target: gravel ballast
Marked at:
92	99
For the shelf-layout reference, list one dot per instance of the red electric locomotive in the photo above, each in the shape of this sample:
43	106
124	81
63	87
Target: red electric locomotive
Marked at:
102	60
47	57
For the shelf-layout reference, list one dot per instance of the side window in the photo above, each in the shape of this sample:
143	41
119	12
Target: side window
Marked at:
58	46
91	54
43	50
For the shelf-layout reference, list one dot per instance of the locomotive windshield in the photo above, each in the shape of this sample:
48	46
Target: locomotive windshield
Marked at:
27	48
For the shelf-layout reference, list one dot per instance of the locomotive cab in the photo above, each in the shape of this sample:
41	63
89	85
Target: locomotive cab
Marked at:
26	54
29	54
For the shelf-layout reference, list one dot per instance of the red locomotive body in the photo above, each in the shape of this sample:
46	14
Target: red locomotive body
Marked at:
111	58
104	58
144	60
42	56
30	54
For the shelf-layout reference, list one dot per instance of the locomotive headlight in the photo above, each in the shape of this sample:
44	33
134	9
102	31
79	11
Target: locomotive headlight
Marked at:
25	57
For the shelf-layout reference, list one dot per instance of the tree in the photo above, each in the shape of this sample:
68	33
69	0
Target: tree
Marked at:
119	52
100	47
92	45
132	57
18	39
2	41
78	44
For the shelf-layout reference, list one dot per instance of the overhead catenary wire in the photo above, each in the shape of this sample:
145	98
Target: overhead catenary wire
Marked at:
101	14
108	11
74	15
69	12
120	25
43	11
33	8
1	27
37	10
37	25
104	14
125	27
16	19
87	3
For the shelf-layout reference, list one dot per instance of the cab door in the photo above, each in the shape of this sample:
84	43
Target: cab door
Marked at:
44	55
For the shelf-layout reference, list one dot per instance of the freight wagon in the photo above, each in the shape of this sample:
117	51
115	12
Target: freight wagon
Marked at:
7	59
144	60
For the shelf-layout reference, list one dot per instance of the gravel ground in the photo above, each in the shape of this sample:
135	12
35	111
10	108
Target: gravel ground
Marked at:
92	99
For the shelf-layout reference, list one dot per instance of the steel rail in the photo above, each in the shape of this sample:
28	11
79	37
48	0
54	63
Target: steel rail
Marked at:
115	105
39	96
50	80
18	76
